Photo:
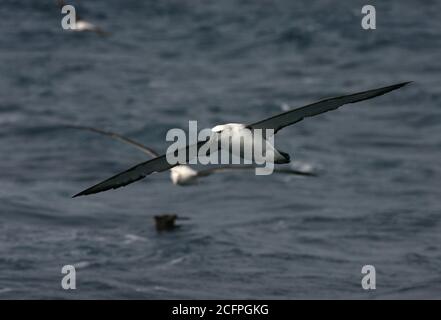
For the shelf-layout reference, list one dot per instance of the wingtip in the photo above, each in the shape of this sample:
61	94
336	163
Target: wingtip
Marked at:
82	193
395	86
403	84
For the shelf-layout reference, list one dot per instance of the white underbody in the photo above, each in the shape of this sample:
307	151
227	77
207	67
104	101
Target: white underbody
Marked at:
234	134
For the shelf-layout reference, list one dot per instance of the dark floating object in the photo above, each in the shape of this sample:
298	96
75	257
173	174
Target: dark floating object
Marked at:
166	222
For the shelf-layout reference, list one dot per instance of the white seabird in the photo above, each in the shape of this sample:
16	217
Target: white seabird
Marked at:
82	25
275	123
184	174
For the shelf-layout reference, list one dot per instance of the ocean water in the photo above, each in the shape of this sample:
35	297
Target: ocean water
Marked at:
375	202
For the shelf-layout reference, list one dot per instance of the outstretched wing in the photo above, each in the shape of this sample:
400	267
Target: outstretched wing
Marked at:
296	172
129	176
290	117
135	173
227	168
116	136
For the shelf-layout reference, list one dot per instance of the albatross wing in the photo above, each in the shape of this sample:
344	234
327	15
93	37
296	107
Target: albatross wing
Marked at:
290	117
131	175
116	136
135	173
228	168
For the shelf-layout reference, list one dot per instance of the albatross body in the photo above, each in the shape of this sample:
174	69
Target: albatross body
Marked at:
86	26
274	123
230	134
82	25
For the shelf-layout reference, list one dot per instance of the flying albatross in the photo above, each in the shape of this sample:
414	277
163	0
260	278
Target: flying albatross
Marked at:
183	174
82	25
232	130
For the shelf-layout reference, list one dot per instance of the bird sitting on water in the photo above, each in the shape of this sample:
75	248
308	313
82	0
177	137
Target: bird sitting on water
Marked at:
166	222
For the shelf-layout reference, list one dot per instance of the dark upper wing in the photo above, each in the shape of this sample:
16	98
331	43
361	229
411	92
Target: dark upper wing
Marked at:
135	173
290	117
296	172
207	172
101	32
226	168
119	137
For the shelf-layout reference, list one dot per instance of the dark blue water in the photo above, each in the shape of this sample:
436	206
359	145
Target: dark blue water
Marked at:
376	201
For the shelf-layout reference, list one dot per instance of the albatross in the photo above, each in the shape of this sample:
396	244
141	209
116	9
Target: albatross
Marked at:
183	174
231	130
82	25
